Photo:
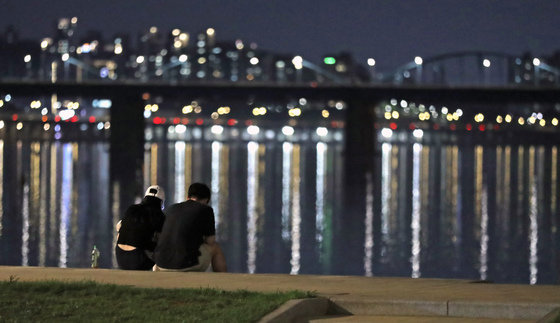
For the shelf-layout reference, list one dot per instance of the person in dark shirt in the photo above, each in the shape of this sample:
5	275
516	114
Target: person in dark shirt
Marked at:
138	230
188	238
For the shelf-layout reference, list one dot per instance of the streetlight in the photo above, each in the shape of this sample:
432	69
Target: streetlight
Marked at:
536	64
298	64
486	63
371	63
418	61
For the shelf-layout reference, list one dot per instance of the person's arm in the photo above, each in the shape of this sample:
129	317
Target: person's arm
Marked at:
210	239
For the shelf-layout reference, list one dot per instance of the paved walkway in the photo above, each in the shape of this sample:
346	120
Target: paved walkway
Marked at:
356	295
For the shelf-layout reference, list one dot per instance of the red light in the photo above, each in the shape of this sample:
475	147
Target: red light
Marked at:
376	126
57	119
74	119
185	121
313	84
163	120
468	127
44	118
481	127
412	126
452	126
393	126
14	117
496	127
248	123
157	120
92	119
231	122
199	121
176	120
436	126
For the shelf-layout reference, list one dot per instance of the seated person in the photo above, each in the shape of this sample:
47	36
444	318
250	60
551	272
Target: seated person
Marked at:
138	230
188	238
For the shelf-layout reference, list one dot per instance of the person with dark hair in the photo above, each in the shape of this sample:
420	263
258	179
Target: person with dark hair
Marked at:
188	237
138	231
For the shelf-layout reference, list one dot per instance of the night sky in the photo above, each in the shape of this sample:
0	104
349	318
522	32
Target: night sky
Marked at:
391	31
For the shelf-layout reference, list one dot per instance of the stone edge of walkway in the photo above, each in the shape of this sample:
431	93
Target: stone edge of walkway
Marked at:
295	308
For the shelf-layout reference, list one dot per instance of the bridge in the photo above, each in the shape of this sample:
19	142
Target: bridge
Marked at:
128	121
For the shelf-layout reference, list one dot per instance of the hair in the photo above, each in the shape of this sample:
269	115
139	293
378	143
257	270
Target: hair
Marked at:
199	191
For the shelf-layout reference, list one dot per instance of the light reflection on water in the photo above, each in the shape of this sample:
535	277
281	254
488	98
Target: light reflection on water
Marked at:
432	210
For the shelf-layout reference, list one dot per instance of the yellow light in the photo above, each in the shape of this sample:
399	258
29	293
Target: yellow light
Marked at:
118	49
184	37
387	115
456	116
210	31
499	119
479	117
263	111
532	120
449	117
1	103
44	44
325	113
542	122
153	30
214	115
155	107
201	60
187	109
555	122
197	109
19	126
148	107
508	118
177	44
256	111
175	32
74	20
395	114
521	121
46	126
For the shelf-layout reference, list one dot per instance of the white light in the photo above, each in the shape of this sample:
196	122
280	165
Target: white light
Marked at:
44	111
404	104
486	62
183	58
1	124
444	110
7	98
147	113
387	133
298	62
180	128
371	62
254	61
418	60
303	101
27	58
140	59
253	130
287	130
459	112
418	133
66	114
99	125
536	61
322	131
218	130
65	57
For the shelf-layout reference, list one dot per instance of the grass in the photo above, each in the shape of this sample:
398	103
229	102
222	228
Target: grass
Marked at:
54	301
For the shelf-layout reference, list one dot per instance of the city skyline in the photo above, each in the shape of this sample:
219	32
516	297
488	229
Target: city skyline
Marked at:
392	33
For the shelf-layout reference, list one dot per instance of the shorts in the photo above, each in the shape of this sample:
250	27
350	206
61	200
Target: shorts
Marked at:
204	261
133	260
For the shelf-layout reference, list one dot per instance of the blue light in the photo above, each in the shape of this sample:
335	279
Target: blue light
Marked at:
104	72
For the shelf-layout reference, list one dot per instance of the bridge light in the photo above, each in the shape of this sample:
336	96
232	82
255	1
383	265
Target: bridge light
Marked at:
555	122
27	58
322	131
298	62
371	62
254	61
418	60
542	122
486	62
521	121
499	119
183	58
287	130
536	61
19	126
329	60
444	110
65	57
508	118
140	59
253	130
418	133
387	133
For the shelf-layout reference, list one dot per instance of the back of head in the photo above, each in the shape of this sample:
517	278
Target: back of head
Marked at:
199	191
155	191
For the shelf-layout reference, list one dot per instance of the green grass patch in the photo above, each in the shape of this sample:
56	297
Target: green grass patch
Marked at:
54	301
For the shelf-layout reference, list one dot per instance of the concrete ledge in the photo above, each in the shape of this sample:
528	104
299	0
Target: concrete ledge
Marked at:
524	311
552	317
391	307
295	308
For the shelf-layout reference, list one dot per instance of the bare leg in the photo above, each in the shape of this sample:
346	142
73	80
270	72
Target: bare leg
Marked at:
218	259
